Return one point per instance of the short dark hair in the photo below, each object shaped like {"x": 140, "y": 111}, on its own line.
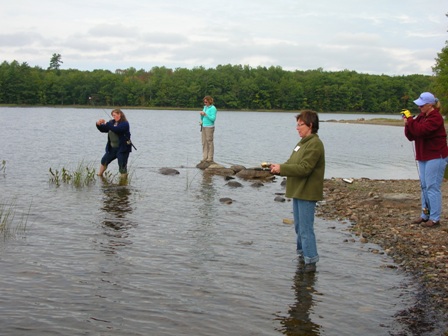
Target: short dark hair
{"x": 310, "y": 118}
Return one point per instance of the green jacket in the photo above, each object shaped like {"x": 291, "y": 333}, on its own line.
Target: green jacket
{"x": 305, "y": 170}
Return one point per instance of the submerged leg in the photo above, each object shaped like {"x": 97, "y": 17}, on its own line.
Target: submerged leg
{"x": 102, "y": 169}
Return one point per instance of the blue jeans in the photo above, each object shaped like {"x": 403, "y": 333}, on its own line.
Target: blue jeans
{"x": 122, "y": 158}
{"x": 431, "y": 178}
{"x": 304, "y": 226}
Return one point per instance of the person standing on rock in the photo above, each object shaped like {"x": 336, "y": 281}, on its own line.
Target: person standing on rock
{"x": 305, "y": 170}
{"x": 208, "y": 117}
{"x": 428, "y": 132}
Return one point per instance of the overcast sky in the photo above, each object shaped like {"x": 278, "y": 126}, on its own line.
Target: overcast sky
{"x": 394, "y": 37}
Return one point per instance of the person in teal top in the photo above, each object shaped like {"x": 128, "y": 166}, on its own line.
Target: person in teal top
{"x": 305, "y": 171}
{"x": 208, "y": 117}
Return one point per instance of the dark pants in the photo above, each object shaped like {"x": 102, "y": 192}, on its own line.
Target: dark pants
{"x": 122, "y": 158}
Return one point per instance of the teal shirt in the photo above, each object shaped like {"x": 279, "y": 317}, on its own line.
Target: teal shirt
{"x": 305, "y": 170}
{"x": 208, "y": 120}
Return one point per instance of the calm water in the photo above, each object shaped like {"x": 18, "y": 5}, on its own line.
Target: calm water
{"x": 162, "y": 255}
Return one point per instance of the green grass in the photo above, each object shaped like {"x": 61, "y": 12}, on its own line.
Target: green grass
{"x": 84, "y": 175}
{"x": 10, "y": 226}
{"x": 3, "y": 167}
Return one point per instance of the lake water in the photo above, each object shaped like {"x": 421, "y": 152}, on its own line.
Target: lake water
{"x": 162, "y": 255}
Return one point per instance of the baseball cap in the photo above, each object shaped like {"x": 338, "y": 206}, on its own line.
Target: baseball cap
{"x": 425, "y": 98}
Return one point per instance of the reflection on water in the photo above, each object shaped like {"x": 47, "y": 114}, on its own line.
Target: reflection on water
{"x": 207, "y": 193}
{"x": 163, "y": 256}
{"x": 299, "y": 322}
{"x": 204, "y": 226}
{"x": 116, "y": 210}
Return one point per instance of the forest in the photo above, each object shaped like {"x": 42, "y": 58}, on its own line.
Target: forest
{"x": 233, "y": 87}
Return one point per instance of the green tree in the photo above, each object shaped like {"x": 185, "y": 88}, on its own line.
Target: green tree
{"x": 233, "y": 87}
{"x": 55, "y": 62}
{"x": 18, "y": 84}
{"x": 441, "y": 80}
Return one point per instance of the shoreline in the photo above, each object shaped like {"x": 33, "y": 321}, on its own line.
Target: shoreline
{"x": 373, "y": 121}
{"x": 381, "y": 211}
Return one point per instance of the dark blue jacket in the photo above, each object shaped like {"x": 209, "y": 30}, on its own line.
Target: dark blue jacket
{"x": 122, "y": 130}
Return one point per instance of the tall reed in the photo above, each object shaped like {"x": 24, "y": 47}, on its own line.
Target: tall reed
{"x": 9, "y": 224}
{"x": 82, "y": 176}
{"x": 3, "y": 167}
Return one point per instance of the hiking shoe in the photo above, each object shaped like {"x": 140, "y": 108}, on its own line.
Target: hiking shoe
{"x": 309, "y": 268}
{"x": 431, "y": 223}
{"x": 419, "y": 220}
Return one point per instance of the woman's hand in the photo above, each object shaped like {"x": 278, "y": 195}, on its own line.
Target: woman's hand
{"x": 100, "y": 122}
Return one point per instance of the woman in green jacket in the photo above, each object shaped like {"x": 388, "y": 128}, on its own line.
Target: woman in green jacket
{"x": 305, "y": 171}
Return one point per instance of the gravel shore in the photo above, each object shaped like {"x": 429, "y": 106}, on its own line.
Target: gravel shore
{"x": 381, "y": 211}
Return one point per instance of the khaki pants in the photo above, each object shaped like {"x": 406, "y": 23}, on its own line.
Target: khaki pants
{"x": 208, "y": 147}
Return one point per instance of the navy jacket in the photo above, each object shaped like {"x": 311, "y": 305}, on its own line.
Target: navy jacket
{"x": 122, "y": 130}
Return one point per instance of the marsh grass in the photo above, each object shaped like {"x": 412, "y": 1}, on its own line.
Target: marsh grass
{"x": 3, "y": 167}
{"x": 83, "y": 175}
{"x": 10, "y": 225}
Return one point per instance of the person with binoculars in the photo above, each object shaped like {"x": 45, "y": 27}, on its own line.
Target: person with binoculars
{"x": 428, "y": 132}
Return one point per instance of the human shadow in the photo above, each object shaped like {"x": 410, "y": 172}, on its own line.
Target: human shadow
{"x": 298, "y": 322}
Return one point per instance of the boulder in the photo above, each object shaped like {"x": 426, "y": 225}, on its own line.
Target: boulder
{"x": 257, "y": 184}
{"x": 217, "y": 169}
{"x": 226, "y": 200}
{"x": 250, "y": 174}
{"x": 168, "y": 171}
{"x": 279, "y": 199}
{"x": 237, "y": 168}
{"x": 203, "y": 165}
{"x": 234, "y": 184}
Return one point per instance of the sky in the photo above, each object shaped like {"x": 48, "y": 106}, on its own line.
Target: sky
{"x": 392, "y": 37}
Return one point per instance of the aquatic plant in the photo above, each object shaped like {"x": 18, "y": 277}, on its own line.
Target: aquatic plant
{"x": 3, "y": 167}
{"x": 84, "y": 175}
{"x": 9, "y": 225}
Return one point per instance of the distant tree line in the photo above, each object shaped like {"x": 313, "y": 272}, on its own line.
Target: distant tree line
{"x": 234, "y": 87}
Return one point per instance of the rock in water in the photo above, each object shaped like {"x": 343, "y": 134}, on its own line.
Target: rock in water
{"x": 168, "y": 171}
{"x": 279, "y": 199}
{"x": 234, "y": 184}
{"x": 226, "y": 200}
{"x": 257, "y": 184}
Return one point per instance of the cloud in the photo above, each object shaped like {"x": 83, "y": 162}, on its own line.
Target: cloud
{"x": 20, "y": 39}
{"x": 370, "y": 36}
